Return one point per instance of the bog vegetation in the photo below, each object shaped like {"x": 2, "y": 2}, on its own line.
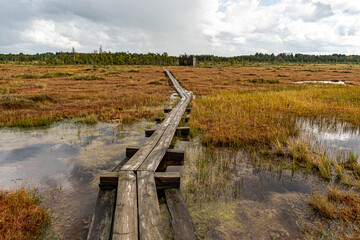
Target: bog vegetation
{"x": 259, "y": 108}
{"x": 32, "y": 96}
{"x": 251, "y": 105}
{"x": 21, "y": 217}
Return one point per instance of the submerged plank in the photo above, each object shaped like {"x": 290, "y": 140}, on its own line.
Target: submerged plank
{"x": 126, "y": 219}
{"x": 100, "y": 227}
{"x": 150, "y": 226}
{"x": 180, "y": 217}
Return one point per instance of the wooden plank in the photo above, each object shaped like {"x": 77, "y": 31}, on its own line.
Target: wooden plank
{"x": 135, "y": 162}
{"x": 126, "y": 218}
{"x": 154, "y": 158}
{"x": 100, "y": 227}
{"x": 167, "y": 180}
{"x": 180, "y": 131}
{"x": 180, "y": 217}
{"x": 150, "y": 226}
{"x": 171, "y": 154}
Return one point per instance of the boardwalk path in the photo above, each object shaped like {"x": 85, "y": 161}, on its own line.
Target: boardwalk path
{"x": 137, "y": 213}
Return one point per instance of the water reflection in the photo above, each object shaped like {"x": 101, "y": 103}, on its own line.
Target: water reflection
{"x": 323, "y": 82}
{"x": 229, "y": 198}
{"x": 64, "y": 163}
{"x": 333, "y": 136}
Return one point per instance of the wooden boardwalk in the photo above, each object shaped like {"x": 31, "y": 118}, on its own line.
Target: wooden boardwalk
{"x": 135, "y": 212}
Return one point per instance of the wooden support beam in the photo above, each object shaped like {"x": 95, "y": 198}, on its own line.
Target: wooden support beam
{"x": 185, "y": 119}
{"x": 180, "y": 131}
{"x": 109, "y": 180}
{"x": 171, "y": 154}
{"x": 167, "y": 110}
{"x": 167, "y": 180}
{"x": 126, "y": 217}
{"x": 164, "y": 180}
{"x": 150, "y": 226}
{"x": 180, "y": 217}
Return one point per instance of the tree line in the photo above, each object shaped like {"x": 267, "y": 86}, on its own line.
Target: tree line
{"x": 125, "y": 58}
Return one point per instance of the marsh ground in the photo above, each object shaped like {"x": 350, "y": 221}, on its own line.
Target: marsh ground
{"x": 33, "y": 95}
{"x": 258, "y": 105}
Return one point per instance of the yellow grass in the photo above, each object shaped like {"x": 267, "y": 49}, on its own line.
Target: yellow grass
{"x": 251, "y": 117}
{"x": 21, "y": 217}
{"x": 32, "y": 95}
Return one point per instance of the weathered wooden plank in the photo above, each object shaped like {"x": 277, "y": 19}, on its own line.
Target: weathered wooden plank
{"x": 126, "y": 218}
{"x": 180, "y": 131}
{"x": 150, "y": 226}
{"x": 100, "y": 227}
{"x": 135, "y": 162}
{"x": 171, "y": 154}
{"x": 154, "y": 158}
{"x": 180, "y": 217}
{"x": 167, "y": 180}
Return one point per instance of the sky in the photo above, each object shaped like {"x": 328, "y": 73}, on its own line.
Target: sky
{"x": 218, "y": 27}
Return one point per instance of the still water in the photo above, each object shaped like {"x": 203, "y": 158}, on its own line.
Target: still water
{"x": 230, "y": 197}
{"x": 227, "y": 195}
{"x": 64, "y": 162}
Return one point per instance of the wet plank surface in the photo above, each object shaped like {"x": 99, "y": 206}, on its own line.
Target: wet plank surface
{"x": 126, "y": 218}
{"x": 180, "y": 217}
{"x": 100, "y": 227}
{"x": 150, "y": 226}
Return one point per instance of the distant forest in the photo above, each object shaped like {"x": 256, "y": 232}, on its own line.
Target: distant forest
{"x": 125, "y": 58}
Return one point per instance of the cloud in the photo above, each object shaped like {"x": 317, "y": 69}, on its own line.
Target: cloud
{"x": 221, "y": 27}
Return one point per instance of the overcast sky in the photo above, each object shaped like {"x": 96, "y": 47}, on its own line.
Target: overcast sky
{"x": 220, "y": 27}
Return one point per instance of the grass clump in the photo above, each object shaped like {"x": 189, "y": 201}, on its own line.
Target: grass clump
{"x": 283, "y": 75}
{"x": 13, "y": 102}
{"x": 33, "y": 121}
{"x": 88, "y": 119}
{"x": 4, "y": 90}
{"x": 21, "y": 216}
{"x": 55, "y": 74}
{"x": 86, "y": 77}
{"x": 337, "y": 204}
{"x": 27, "y": 76}
{"x": 262, "y": 81}
{"x": 154, "y": 83}
{"x": 40, "y": 85}
{"x": 322, "y": 204}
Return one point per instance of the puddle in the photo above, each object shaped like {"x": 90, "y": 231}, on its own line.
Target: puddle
{"x": 335, "y": 137}
{"x": 324, "y": 82}
{"x": 228, "y": 198}
{"x": 64, "y": 162}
